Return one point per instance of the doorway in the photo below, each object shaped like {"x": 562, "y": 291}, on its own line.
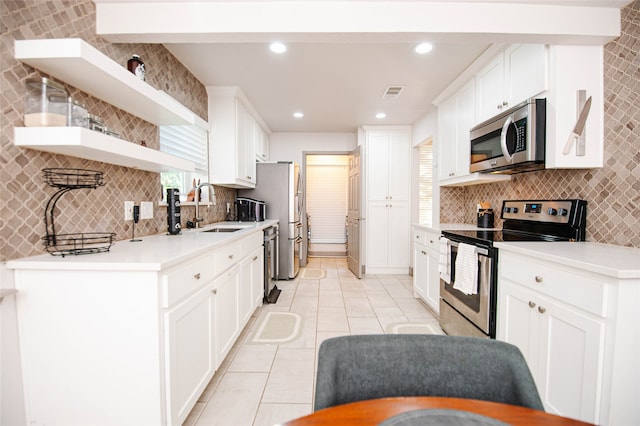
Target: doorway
{"x": 327, "y": 180}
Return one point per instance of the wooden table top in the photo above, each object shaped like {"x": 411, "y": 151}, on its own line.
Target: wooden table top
{"x": 374, "y": 411}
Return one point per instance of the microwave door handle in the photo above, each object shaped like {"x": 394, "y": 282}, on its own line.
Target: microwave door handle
{"x": 503, "y": 139}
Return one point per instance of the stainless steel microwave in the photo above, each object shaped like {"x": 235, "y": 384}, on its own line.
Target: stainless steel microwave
{"x": 512, "y": 142}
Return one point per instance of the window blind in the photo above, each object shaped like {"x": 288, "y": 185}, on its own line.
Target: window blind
{"x": 327, "y": 180}
{"x": 425, "y": 184}
{"x": 187, "y": 142}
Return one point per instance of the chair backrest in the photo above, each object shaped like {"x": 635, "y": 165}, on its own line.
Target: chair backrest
{"x": 355, "y": 368}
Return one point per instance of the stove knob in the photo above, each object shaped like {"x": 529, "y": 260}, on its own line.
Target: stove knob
{"x": 563, "y": 212}
{"x": 552, "y": 211}
{"x": 514, "y": 210}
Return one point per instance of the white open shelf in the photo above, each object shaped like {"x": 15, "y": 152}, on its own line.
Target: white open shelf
{"x": 76, "y": 62}
{"x": 93, "y": 145}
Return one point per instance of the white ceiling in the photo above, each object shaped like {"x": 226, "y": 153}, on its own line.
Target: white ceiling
{"x": 337, "y": 78}
{"x": 337, "y": 86}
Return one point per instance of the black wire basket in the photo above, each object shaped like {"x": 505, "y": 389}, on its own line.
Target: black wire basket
{"x": 73, "y": 178}
{"x": 77, "y": 243}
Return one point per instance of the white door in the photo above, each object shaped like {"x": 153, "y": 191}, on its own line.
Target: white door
{"x": 354, "y": 198}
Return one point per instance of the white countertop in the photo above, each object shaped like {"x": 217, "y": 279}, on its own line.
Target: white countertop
{"x": 605, "y": 259}
{"x": 153, "y": 253}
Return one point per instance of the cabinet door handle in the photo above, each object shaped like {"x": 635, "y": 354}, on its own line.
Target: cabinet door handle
{"x": 197, "y": 276}
{"x": 430, "y": 241}
{"x": 230, "y": 256}
{"x": 541, "y": 309}
{"x": 255, "y": 258}
{"x": 214, "y": 291}
{"x": 538, "y": 279}
{"x": 532, "y": 304}
{"x": 423, "y": 252}
{"x": 391, "y": 197}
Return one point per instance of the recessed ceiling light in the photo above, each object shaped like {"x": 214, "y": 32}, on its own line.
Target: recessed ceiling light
{"x": 278, "y": 47}
{"x": 381, "y": 115}
{"x": 298, "y": 114}
{"x": 424, "y": 48}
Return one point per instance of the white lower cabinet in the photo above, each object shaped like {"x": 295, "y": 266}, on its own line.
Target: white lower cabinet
{"x": 226, "y": 325}
{"x": 387, "y": 248}
{"x": 130, "y": 344}
{"x": 577, "y": 329}
{"x": 426, "y": 277}
{"x": 562, "y": 346}
{"x": 190, "y": 362}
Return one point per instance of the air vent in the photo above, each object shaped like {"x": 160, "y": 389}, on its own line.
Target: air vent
{"x": 392, "y": 92}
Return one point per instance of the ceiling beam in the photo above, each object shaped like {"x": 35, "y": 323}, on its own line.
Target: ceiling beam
{"x": 174, "y": 21}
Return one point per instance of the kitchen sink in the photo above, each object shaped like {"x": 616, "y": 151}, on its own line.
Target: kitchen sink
{"x": 223, "y": 230}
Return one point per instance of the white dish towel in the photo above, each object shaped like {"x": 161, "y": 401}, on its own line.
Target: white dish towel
{"x": 444, "y": 261}
{"x": 466, "y": 269}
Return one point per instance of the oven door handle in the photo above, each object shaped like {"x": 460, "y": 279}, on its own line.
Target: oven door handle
{"x": 479, "y": 250}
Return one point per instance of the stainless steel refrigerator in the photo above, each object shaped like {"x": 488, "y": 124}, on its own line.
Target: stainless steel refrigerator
{"x": 279, "y": 185}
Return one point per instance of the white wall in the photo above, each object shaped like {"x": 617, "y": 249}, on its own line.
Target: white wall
{"x": 425, "y": 128}
{"x": 290, "y": 146}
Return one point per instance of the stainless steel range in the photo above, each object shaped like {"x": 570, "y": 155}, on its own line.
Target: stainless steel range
{"x": 468, "y": 259}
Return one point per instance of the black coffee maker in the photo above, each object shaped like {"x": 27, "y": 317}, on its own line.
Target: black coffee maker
{"x": 250, "y": 210}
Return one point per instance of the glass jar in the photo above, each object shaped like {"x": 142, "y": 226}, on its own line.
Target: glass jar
{"x": 45, "y": 104}
{"x": 76, "y": 113}
{"x": 95, "y": 123}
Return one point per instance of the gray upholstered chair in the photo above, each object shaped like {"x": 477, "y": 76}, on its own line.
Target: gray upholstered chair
{"x": 355, "y": 368}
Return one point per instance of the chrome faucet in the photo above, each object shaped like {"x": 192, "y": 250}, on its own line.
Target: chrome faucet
{"x": 212, "y": 197}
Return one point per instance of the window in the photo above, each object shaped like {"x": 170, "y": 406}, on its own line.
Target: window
{"x": 425, "y": 183}
{"x": 189, "y": 143}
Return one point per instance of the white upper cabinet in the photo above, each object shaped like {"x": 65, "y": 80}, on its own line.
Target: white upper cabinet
{"x": 262, "y": 144}
{"x": 514, "y": 75}
{"x": 576, "y": 73}
{"x": 455, "y": 117}
{"x": 236, "y": 134}
{"x": 388, "y": 161}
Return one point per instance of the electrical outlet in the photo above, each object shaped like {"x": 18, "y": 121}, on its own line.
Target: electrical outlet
{"x": 128, "y": 210}
{"x": 146, "y": 210}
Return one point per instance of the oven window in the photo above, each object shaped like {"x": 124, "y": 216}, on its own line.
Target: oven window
{"x": 470, "y": 300}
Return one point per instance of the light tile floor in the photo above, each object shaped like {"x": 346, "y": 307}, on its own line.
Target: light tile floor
{"x": 267, "y": 384}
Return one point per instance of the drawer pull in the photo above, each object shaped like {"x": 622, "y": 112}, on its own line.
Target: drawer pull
{"x": 430, "y": 241}
{"x": 423, "y": 252}
{"x": 230, "y": 256}
{"x": 214, "y": 291}
{"x": 255, "y": 258}
{"x": 197, "y": 276}
{"x": 538, "y": 279}
{"x": 532, "y": 304}
{"x": 541, "y": 309}
{"x": 418, "y": 237}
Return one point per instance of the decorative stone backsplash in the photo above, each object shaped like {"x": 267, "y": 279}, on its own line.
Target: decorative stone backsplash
{"x": 23, "y": 192}
{"x": 612, "y": 192}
